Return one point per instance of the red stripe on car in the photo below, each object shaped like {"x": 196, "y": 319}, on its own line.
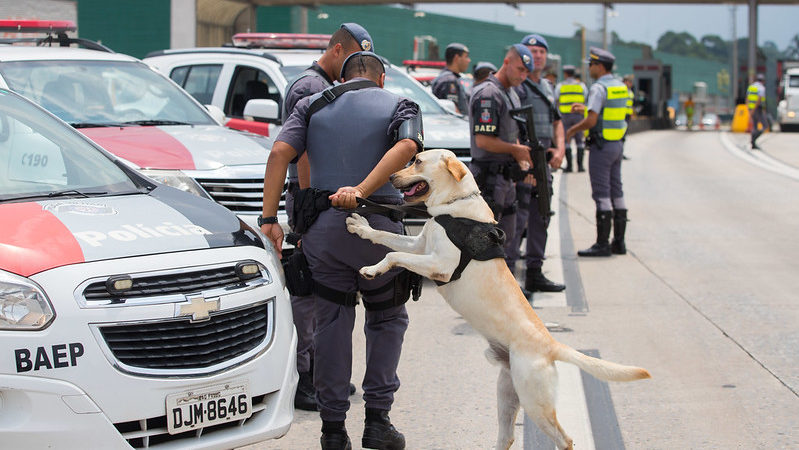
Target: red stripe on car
{"x": 33, "y": 240}
{"x": 147, "y": 147}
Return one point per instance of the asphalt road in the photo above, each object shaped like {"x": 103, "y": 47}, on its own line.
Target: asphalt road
{"x": 705, "y": 299}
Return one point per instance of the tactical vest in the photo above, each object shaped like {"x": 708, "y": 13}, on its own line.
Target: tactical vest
{"x": 611, "y": 125}
{"x": 309, "y": 72}
{"x": 571, "y": 92}
{"x": 542, "y": 109}
{"x": 348, "y": 137}
{"x": 752, "y": 95}
{"x": 508, "y": 129}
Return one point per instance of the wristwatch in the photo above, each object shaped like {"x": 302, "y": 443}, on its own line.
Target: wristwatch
{"x": 265, "y": 220}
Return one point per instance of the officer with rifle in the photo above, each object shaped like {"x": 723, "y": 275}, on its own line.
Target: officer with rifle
{"x": 544, "y": 133}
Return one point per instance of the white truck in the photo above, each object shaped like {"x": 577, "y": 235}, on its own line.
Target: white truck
{"x": 788, "y": 108}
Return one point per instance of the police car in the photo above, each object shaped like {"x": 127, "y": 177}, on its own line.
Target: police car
{"x": 136, "y": 113}
{"x": 248, "y": 80}
{"x": 131, "y": 313}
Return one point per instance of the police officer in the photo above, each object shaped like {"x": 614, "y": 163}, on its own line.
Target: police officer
{"x": 481, "y": 71}
{"x": 567, "y": 93}
{"x": 607, "y": 104}
{"x": 756, "y": 102}
{"x": 538, "y": 92}
{"x": 447, "y": 84}
{"x": 628, "y": 114}
{"x": 348, "y": 39}
{"x": 356, "y": 135}
{"x": 496, "y": 152}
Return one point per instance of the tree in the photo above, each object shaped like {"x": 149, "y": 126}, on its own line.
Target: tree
{"x": 680, "y": 43}
{"x": 792, "y": 51}
{"x": 715, "y": 47}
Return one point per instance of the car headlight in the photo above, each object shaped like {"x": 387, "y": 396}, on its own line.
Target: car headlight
{"x": 23, "y": 304}
{"x": 176, "y": 179}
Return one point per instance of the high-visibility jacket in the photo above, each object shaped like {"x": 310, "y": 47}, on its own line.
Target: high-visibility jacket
{"x": 570, "y": 93}
{"x": 753, "y": 94}
{"x": 611, "y": 125}
{"x": 630, "y": 97}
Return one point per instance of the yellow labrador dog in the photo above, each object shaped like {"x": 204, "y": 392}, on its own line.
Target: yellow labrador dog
{"x": 486, "y": 295}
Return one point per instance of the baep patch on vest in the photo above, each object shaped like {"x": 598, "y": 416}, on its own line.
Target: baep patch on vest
{"x": 480, "y": 241}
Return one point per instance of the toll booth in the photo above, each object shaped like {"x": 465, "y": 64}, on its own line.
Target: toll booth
{"x": 652, "y": 89}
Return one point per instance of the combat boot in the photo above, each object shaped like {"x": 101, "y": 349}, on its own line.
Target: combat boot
{"x": 378, "y": 433}
{"x": 305, "y": 398}
{"x": 580, "y": 156}
{"x": 569, "y": 161}
{"x": 619, "y": 227}
{"x": 535, "y": 281}
{"x": 334, "y": 436}
{"x": 602, "y": 246}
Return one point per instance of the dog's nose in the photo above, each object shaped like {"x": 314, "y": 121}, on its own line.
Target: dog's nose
{"x": 391, "y": 177}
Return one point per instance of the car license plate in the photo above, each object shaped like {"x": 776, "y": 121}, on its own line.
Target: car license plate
{"x": 206, "y": 406}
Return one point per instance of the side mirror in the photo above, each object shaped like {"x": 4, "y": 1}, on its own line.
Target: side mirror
{"x": 261, "y": 110}
{"x": 216, "y": 113}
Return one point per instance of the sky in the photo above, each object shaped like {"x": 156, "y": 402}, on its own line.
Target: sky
{"x": 640, "y": 23}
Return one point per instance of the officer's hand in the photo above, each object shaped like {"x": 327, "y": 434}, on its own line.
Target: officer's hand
{"x": 275, "y": 234}
{"x": 557, "y": 158}
{"x": 530, "y": 179}
{"x": 578, "y": 108}
{"x": 346, "y": 197}
{"x": 521, "y": 153}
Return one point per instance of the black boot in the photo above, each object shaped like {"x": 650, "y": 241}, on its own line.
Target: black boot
{"x": 619, "y": 226}
{"x": 334, "y": 436}
{"x": 601, "y": 247}
{"x": 305, "y": 398}
{"x": 535, "y": 281}
{"x": 569, "y": 161}
{"x": 580, "y": 156}
{"x": 378, "y": 432}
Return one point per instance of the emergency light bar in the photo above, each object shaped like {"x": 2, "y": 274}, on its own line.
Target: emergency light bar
{"x": 424, "y": 63}
{"x": 37, "y": 26}
{"x": 281, "y": 40}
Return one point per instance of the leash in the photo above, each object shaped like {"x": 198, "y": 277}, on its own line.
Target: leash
{"x": 397, "y": 212}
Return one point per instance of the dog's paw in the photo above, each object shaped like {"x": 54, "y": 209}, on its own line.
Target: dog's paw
{"x": 357, "y": 224}
{"x": 369, "y": 272}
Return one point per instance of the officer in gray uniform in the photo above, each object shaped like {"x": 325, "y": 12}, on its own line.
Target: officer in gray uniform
{"x": 447, "y": 84}
{"x": 481, "y": 71}
{"x": 348, "y": 39}
{"x": 350, "y": 162}
{"x": 538, "y": 92}
{"x": 567, "y": 93}
{"x": 607, "y": 105}
{"x": 498, "y": 159}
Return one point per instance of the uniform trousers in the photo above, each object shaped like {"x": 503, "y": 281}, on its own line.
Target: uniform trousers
{"x": 502, "y": 194}
{"x": 528, "y": 218}
{"x": 569, "y": 120}
{"x": 302, "y": 308}
{"x": 758, "y": 118}
{"x": 604, "y": 170}
{"x": 334, "y": 258}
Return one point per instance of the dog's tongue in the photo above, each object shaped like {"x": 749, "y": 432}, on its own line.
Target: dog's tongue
{"x": 413, "y": 189}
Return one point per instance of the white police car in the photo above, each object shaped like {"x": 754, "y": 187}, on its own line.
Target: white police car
{"x": 132, "y": 314}
{"x": 137, "y": 114}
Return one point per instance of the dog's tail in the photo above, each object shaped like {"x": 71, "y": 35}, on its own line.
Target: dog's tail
{"x": 604, "y": 370}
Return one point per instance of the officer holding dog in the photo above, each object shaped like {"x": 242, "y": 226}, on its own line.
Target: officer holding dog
{"x": 356, "y": 135}
{"x": 567, "y": 93}
{"x": 447, "y": 84}
{"x": 537, "y": 92}
{"x": 498, "y": 159}
{"x": 607, "y": 106}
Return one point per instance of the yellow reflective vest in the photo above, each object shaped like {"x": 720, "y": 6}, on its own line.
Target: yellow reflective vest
{"x": 570, "y": 93}
{"x": 752, "y": 95}
{"x": 611, "y": 125}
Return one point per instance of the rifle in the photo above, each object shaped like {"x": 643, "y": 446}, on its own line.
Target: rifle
{"x": 524, "y": 118}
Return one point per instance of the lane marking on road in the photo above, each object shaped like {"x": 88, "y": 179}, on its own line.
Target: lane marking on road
{"x": 574, "y": 293}
{"x": 758, "y": 158}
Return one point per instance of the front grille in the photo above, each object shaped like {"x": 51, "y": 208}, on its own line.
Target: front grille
{"x": 240, "y": 195}
{"x": 150, "y": 432}
{"x": 179, "y": 344}
{"x": 179, "y": 283}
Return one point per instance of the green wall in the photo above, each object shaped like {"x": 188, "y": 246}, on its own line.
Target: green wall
{"x": 131, "y": 27}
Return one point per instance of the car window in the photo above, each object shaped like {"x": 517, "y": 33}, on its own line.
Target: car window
{"x": 793, "y": 81}
{"x": 198, "y": 80}
{"x": 250, "y": 83}
{"x": 40, "y": 155}
{"x": 102, "y": 92}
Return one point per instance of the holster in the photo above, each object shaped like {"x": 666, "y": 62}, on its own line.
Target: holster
{"x": 308, "y": 204}
{"x": 298, "y": 274}
{"x": 403, "y": 285}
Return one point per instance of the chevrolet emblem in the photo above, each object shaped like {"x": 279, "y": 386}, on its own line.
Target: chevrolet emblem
{"x": 198, "y": 308}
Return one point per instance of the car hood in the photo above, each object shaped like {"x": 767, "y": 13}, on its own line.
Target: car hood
{"x": 182, "y": 147}
{"x": 36, "y": 236}
{"x": 445, "y": 131}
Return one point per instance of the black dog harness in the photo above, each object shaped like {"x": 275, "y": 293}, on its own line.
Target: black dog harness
{"x": 476, "y": 240}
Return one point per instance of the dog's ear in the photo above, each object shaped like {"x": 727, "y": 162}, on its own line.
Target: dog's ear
{"x": 456, "y": 168}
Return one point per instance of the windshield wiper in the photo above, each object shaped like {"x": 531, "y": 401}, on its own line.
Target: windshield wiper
{"x": 63, "y": 193}
{"x": 155, "y": 122}
{"x": 98, "y": 124}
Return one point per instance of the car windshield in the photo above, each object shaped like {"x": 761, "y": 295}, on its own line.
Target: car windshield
{"x": 103, "y": 93}
{"x": 42, "y": 157}
{"x": 398, "y": 83}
